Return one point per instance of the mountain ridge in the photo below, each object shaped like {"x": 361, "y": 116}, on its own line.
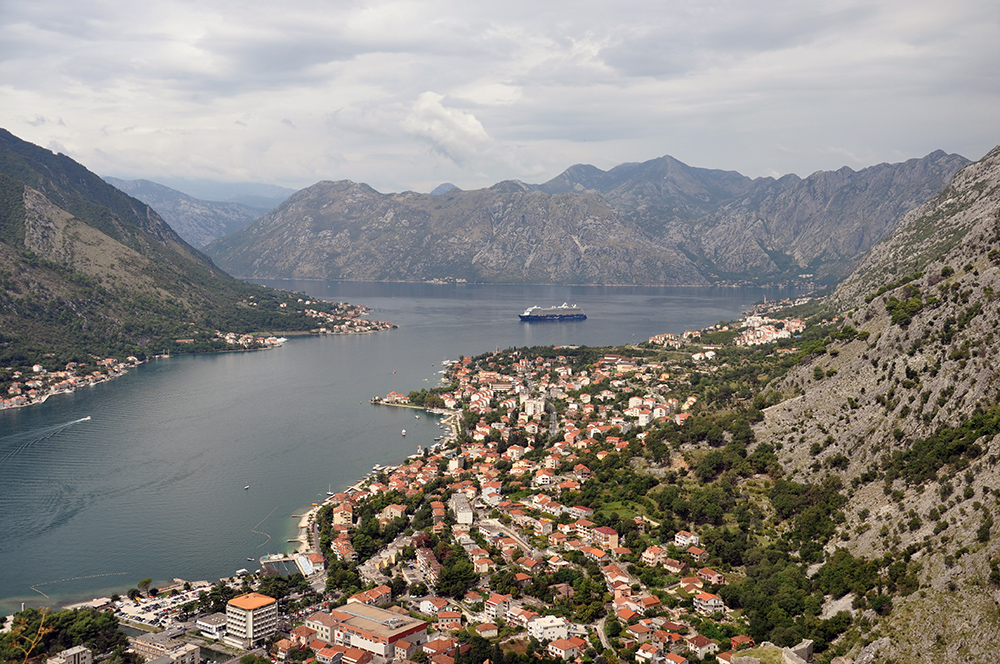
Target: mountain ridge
{"x": 197, "y": 221}
{"x": 85, "y": 269}
{"x": 681, "y": 226}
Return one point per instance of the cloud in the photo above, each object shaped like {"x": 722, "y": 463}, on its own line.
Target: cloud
{"x": 455, "y": 134}
{"x": 493, "y": 91}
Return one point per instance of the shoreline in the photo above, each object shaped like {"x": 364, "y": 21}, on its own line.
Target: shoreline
{"x": 304, "y": 540}
{"x": 118, "y": 374}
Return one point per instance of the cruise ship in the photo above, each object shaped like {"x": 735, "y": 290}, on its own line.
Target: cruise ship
{"x": 562, "y": 312}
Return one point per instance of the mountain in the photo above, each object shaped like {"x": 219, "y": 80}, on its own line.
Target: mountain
{"x": 900, "y": 403}
{"x": 251, "y": 194}
{"x": 197, "y": 221}
{"x": 507, "y": 233}
{"x": 443, "y": 188}
{"x": 85, "y": 268}
{"x": 675, "y": 224}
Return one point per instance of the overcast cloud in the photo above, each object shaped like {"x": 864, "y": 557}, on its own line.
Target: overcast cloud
{"x": 407, "y": 95}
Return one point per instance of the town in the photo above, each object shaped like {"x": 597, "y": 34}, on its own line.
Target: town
{"x": 546, "y": 523}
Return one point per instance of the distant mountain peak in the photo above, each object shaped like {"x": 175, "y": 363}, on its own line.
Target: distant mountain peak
{"x": 443, "y": 189}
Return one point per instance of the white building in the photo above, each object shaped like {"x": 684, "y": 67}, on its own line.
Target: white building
{"x": 460, "y": 506}
{"x": 213, "y": 626}
{"x": 74, "y": 655}
{"x": 250, "y": 619}
{"x": 549, "y": 628}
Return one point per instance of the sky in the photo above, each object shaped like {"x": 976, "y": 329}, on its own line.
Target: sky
{"x": 406, "y": 95}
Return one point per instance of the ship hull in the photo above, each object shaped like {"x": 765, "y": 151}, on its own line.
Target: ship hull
{"x": 539, "y": 318}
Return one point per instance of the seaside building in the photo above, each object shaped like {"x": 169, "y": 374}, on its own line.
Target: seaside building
{"x": 250, "y": 619}
{"x": 369, "y": 628}
{"x": 213, "y": 626}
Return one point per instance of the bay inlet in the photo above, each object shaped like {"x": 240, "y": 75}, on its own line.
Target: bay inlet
{"x": 152, "y": 484}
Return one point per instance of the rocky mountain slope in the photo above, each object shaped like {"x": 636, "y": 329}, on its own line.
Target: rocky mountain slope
{"x": 658, "y": 222}
{"x": 507, "y": 233}
{"x": 85, "y": 268}
{"x": 901, "y": 403}
{"x": 197, "y": 221}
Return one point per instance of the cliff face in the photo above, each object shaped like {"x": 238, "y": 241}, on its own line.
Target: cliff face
{"x": 906, "y": 412}
{"x": 659, "y": 222}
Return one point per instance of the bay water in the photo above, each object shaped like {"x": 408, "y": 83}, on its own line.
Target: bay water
{"x": 144, "y": 476}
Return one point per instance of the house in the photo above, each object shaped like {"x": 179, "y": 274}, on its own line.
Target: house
{"x": 648, "y": 652}
{"x": 652, "y": 556}
{"x": 675, "y": 566}
{"x": 283, "y": 647}
{"x": 214, "y": 626}
{"x": 331, "y": 654}
{"x": 379, "y": 596}
{"x": 711, "y": 576}
{"x": 301, "y": 635}
{"x": 567, "y": 648}
{"x": 641, "y": 633}
{"x": 605, "y": 537}
{"x": 487, "y": 630}
{"x": 702, "y": 646}
{"x": 549, "y": 628}
{"x": 701, "y": 555}
{"x": 741, "y": 641}
{"x": 497, "y": 606}
{"x": 405, "y": 649}
{"x": 683, "y": 539}
{"x": 707, "y": 603}
{"x": 448, "y": 620}
{"x": 648, "y": 603}
{"x": 673, "y": 658}
{"x": 433, "y": 605}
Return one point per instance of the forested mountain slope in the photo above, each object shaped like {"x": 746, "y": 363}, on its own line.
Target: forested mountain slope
{"x": 85, "y": 269}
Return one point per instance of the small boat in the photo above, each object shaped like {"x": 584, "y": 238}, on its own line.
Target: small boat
{"x": 417, "y": 416}
{"x": 246, "y": 487}
{"x": 249, "y": 558}
{"x": 404, "y": 432}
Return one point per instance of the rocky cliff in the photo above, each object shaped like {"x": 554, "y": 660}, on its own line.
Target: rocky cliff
{"x": 901, "y": 403}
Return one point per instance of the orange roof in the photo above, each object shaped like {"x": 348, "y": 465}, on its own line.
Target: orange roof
{"x": 251, "y": 601}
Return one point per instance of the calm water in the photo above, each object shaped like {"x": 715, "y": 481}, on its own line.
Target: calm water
{"x": 152, "y": 484}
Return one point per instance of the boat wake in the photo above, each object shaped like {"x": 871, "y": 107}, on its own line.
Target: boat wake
{"x": 12, "y": 445}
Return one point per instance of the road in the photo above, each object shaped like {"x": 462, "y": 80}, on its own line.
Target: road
{"x": 601, "y": 634}
{"x": 493, "y": 524}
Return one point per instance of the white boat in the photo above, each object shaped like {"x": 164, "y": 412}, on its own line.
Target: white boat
{"x": 404, "y": 432}
{"x": 246, "y": 487}
{"x": 417, "y": 416}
